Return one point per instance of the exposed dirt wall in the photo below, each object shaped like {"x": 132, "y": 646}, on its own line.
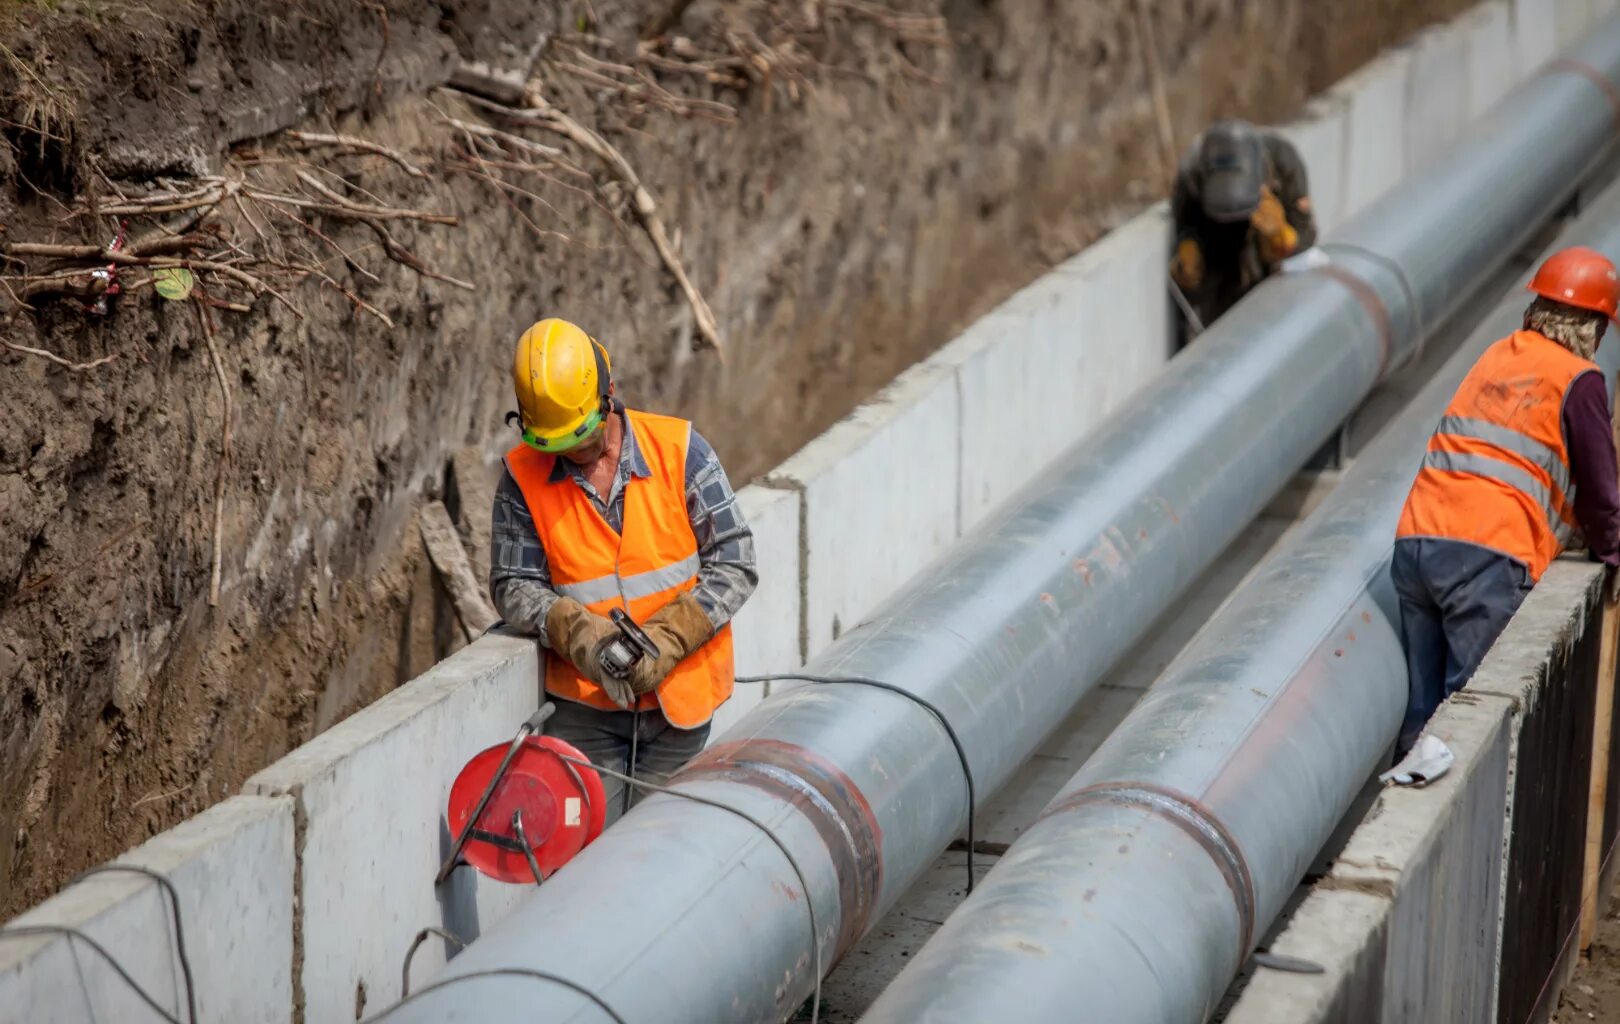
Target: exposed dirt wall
{"x": 868, "y": 201}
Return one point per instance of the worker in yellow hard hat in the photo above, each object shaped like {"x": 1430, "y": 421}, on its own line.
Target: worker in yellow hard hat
{"x": 604, "y": 508}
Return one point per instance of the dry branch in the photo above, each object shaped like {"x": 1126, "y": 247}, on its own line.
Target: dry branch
{"x": 369, "y": 210}
{"x": 58, "y": 360}
{"x": 642, "y": 202}
{"x": 224, "y": 452}
{"x": 351, "y": 142}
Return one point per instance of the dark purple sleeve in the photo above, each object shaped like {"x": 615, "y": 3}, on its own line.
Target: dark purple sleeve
{"x": 1589, "y": 435}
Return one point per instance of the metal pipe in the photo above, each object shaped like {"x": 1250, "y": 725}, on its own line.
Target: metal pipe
{"x": 1148, "y": 879}
{"x": 683, "y": 912}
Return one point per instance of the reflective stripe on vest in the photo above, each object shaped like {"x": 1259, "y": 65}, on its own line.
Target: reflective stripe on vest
{"x": 1550, "y": 461}
{"x": 642, "y": 584}
{"x": 641, "y": 568}
{"x": 1504, "y": 472}
{"x": 1497, "y": 472}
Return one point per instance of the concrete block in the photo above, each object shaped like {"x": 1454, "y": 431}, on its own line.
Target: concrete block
{"x": 1535, "y": 34}
{"x": 371, "y": 795}
{"x": 880, "y": 492}
{"x": 232, "y": 868}
{"x": 1074, "y": 344}
{"x": 1344, "y": 931}
{"x": 1375, "y": 129}
{"x": 1438, "y": 851}
{"x": 765, "y": 633}
{"x": 1320, "y": 138}
{"x": 1437, "y": 99}
{"x": 1492, "y": 70}
{"x": 1574, "y": 17}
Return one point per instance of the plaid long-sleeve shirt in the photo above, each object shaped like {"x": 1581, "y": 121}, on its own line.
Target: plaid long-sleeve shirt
{"x": 520, "y": 576}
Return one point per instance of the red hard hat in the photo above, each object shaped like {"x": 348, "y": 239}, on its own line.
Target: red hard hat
{"x": 1579, "y": 277}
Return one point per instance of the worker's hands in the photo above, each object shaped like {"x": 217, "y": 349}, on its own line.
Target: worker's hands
{"x": 578, "y": 634}
{"x": 1277, "y": 237}
{"x": 1187, "y": 268}
{"x": 678, "y": 629}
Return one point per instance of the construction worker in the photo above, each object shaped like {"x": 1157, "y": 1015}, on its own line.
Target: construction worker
{"x": 600, "y": 508}
{"x": 1523, "y": 457}
{"x": 1241, "y": 205}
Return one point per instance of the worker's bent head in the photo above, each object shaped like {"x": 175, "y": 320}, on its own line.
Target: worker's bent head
{"x": 1577, "y": 294}
{"x": 1234, "y": 167}
{"x": 563, "y": 381}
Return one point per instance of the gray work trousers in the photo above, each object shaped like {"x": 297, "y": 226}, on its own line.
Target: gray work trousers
{"x": 604, "y": 737}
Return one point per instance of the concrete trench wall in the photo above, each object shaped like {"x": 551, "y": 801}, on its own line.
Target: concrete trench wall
{"x": 1461, "y": 901}
{"x": 839, "y": 526}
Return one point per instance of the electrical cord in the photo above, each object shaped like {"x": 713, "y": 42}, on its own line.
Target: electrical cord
{"x": 925, "y": 704}
{"x": 174, "y": 909}
{"x": 410, "y": 954}
{"x": 630, "y": 782}
{"x": 804, "y": 884}
{"x": 494, "y": 972}
{"x": 25, "y": 930}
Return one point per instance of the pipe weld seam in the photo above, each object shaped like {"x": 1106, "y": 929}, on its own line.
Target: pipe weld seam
{"x": 828, "y": 799}
{"x": 1191, "y": 817}
{"x": 1370, "y": 300}
{"x": 1419, "y": 321}
{"x": 1611, "y": 92}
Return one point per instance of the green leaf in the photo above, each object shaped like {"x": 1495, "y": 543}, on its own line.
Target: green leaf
{"x": 173, "y": 283}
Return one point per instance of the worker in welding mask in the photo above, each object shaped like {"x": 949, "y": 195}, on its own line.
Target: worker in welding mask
{"x": 605, "y": 508}
{"x": 1240, "y": 205}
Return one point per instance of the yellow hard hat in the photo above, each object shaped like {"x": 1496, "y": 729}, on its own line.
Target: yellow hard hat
{"x": 562, "y": 378}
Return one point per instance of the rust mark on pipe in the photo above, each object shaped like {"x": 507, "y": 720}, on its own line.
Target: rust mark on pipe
{"x": 1368, "y": 297}
{"x": 1192, "y": 818}
{"x": 1611, "y": 92}
{"x": 828, "y": 798}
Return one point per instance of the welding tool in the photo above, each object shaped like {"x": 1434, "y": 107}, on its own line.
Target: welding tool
{"x": 621, "y": 654}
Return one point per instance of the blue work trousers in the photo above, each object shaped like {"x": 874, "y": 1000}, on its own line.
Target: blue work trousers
{"x": 1456, "y": 598}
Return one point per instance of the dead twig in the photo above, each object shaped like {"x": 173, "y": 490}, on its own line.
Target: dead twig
{"x": 224, "y": 451}
{"x": 58, "y": 360}
{"x": 368, "y": 210}
{"x": 312, "y": 139}
{"x": 642, "y": 202}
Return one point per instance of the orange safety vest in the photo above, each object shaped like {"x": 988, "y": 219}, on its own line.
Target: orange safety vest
{"x": 1497, "y": 470}
{"x": 640, "y": 570}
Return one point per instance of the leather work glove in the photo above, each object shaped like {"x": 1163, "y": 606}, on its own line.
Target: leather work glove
{"x": 1187, "y": 268}
{"x": 1277, "y": 237}
{"x": 578, "y": 634}
{"x": 678, "y": 628}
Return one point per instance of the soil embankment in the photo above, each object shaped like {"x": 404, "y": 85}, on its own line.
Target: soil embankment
{"x": 845, "y": 182}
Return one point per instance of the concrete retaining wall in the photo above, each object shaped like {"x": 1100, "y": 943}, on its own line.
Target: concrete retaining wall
{"x": 370, "y": 794}
{"x": 232, "y": 868}
{"x": 1442, "y": 886}
{"x": 839, "y": 527}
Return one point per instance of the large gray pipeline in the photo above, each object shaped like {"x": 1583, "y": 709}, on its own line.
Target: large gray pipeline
{"x": 682, "y": 912}
{"x": 1149, "y": 877}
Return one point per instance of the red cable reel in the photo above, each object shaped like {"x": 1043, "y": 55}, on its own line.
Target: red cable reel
{"x": 534, "y": 811}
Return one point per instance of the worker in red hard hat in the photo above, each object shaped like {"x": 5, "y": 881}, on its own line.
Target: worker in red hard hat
{"x": 1521, "y": 465}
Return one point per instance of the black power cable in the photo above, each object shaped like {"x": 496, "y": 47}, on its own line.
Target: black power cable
{"x": 174, "y": 909}
{"x": 922, "y": 702}
{"x": 495, "y": 972}
{"x": 27, "y": 930}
